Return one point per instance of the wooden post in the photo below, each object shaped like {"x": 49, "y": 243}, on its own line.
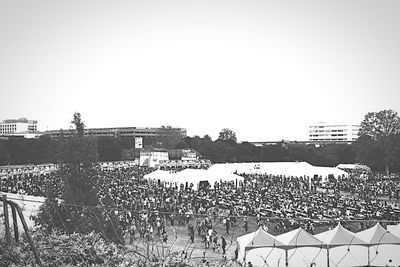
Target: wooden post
{"x": 28, "y": 236}
{"x": 15, "y": 223}
{"x": 6, "y": 219}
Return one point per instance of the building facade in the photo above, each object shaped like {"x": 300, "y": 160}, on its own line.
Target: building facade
{"x": 129, "y": 132}
{"x": 18, "y": 127}
{"x": 323, "y": 132}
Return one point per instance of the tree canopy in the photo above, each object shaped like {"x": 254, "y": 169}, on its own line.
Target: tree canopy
{"x": 379, "y": 124}
{"x": 79, "y": 180}
{"x": 227, "y": 135}
{"x": 378, "y": 144}
{"x": 78, "y": 123}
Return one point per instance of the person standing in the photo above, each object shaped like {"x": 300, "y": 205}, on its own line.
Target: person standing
{"x": 191, "y": 232}
{"x": 227, "y": 225}
{"x": 207, "y": 242}
{"x": 223, "y": 245}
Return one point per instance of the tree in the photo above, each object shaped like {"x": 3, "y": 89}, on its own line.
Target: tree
{"x": 109, "y": 149}
{"x": 4, "y": 156}
{"x": 380, "y": 124}
{"x": 79, "y": 179}
{"x": 379, "y": 133}
{"x": 78, "y": 123}
{"x": 227, "y": 135}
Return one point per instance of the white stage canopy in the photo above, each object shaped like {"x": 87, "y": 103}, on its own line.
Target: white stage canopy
{"x": 279, "y": 168}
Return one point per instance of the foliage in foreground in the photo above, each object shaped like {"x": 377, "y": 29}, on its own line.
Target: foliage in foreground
{"x": 60, "y": 250}
{"x": 65, "y": 250}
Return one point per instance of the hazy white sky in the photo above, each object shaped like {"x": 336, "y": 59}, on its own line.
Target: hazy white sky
{"x": 265, "y": 69}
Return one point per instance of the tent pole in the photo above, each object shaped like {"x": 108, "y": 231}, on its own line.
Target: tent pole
{"x": 327, "y": 255}
{"x": 369, "y": 258}
{"x": 286, "y": 257}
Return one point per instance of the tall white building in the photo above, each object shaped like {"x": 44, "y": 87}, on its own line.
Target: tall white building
{"x": 19, "y": 127}
{"x": 333, "y": 132}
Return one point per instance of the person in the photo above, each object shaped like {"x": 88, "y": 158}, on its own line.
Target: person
{"x": 207, "y": 243}
{"x": 215, "y": 243}
{"x": 191, "y": 232}
{"x": 227, "y": 225}
{"x": 223, "y": 245}
{"x": 237, "y": 252}
{"x": 246, "y": 224}
{"x": 249, "y": 264}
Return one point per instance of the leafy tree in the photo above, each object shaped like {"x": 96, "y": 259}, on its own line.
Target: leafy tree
{"x": 227, "y": 135}
{"x": 78, "y": 175}
{"x": 380, "y": 124}
{"x": 109, "y": 149}
{"x": 78, "y": 123}
{"x": 4, "y": 156}
{"x": 376, "y": 145}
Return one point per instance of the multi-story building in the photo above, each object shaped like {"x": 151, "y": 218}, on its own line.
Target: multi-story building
{"x": 18, "y": 127}
{"x": 130, "y": 132}
{"x": 324, "y": 132}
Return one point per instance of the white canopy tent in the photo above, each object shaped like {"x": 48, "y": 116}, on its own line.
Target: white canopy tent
{"x": 303, "y": 249}
{"x": 261, "y": 249}
{"x": 294, "y": 169}
{"x": 384, "y": 247}
{"x": 344, "y": 248}
{"x": 192, "y": 177}
{"x": 394, "y": 229}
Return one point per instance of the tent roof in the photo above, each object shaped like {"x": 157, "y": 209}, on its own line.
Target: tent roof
{"x": 339, "y": 236}
{"x": 278, "y": 168}
{"x": 394, "y": 229}
{"x": 378, "y": 235}
{"x": 299, "y": 238}
{"x": 259, "y": 238}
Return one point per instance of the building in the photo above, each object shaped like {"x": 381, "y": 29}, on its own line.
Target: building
{"x": 152, "y": 158}
{"x": 126, "y": 132}
{"x": 19, "y": 127}
{"x": 286, "y": 143}
{"x": 324, "y": 132}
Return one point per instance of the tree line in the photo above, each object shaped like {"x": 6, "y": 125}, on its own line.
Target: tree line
{"x": 47, "y": 150}
{"x": 378, "y": 146}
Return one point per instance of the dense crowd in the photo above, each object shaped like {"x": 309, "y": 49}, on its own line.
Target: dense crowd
{"x": 149, "y": 206}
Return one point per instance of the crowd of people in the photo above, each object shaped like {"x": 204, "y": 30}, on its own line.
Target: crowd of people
{"x": 275, "y": 202}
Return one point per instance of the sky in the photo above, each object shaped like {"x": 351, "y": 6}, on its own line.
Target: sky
{"x": 265, "y": 69}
